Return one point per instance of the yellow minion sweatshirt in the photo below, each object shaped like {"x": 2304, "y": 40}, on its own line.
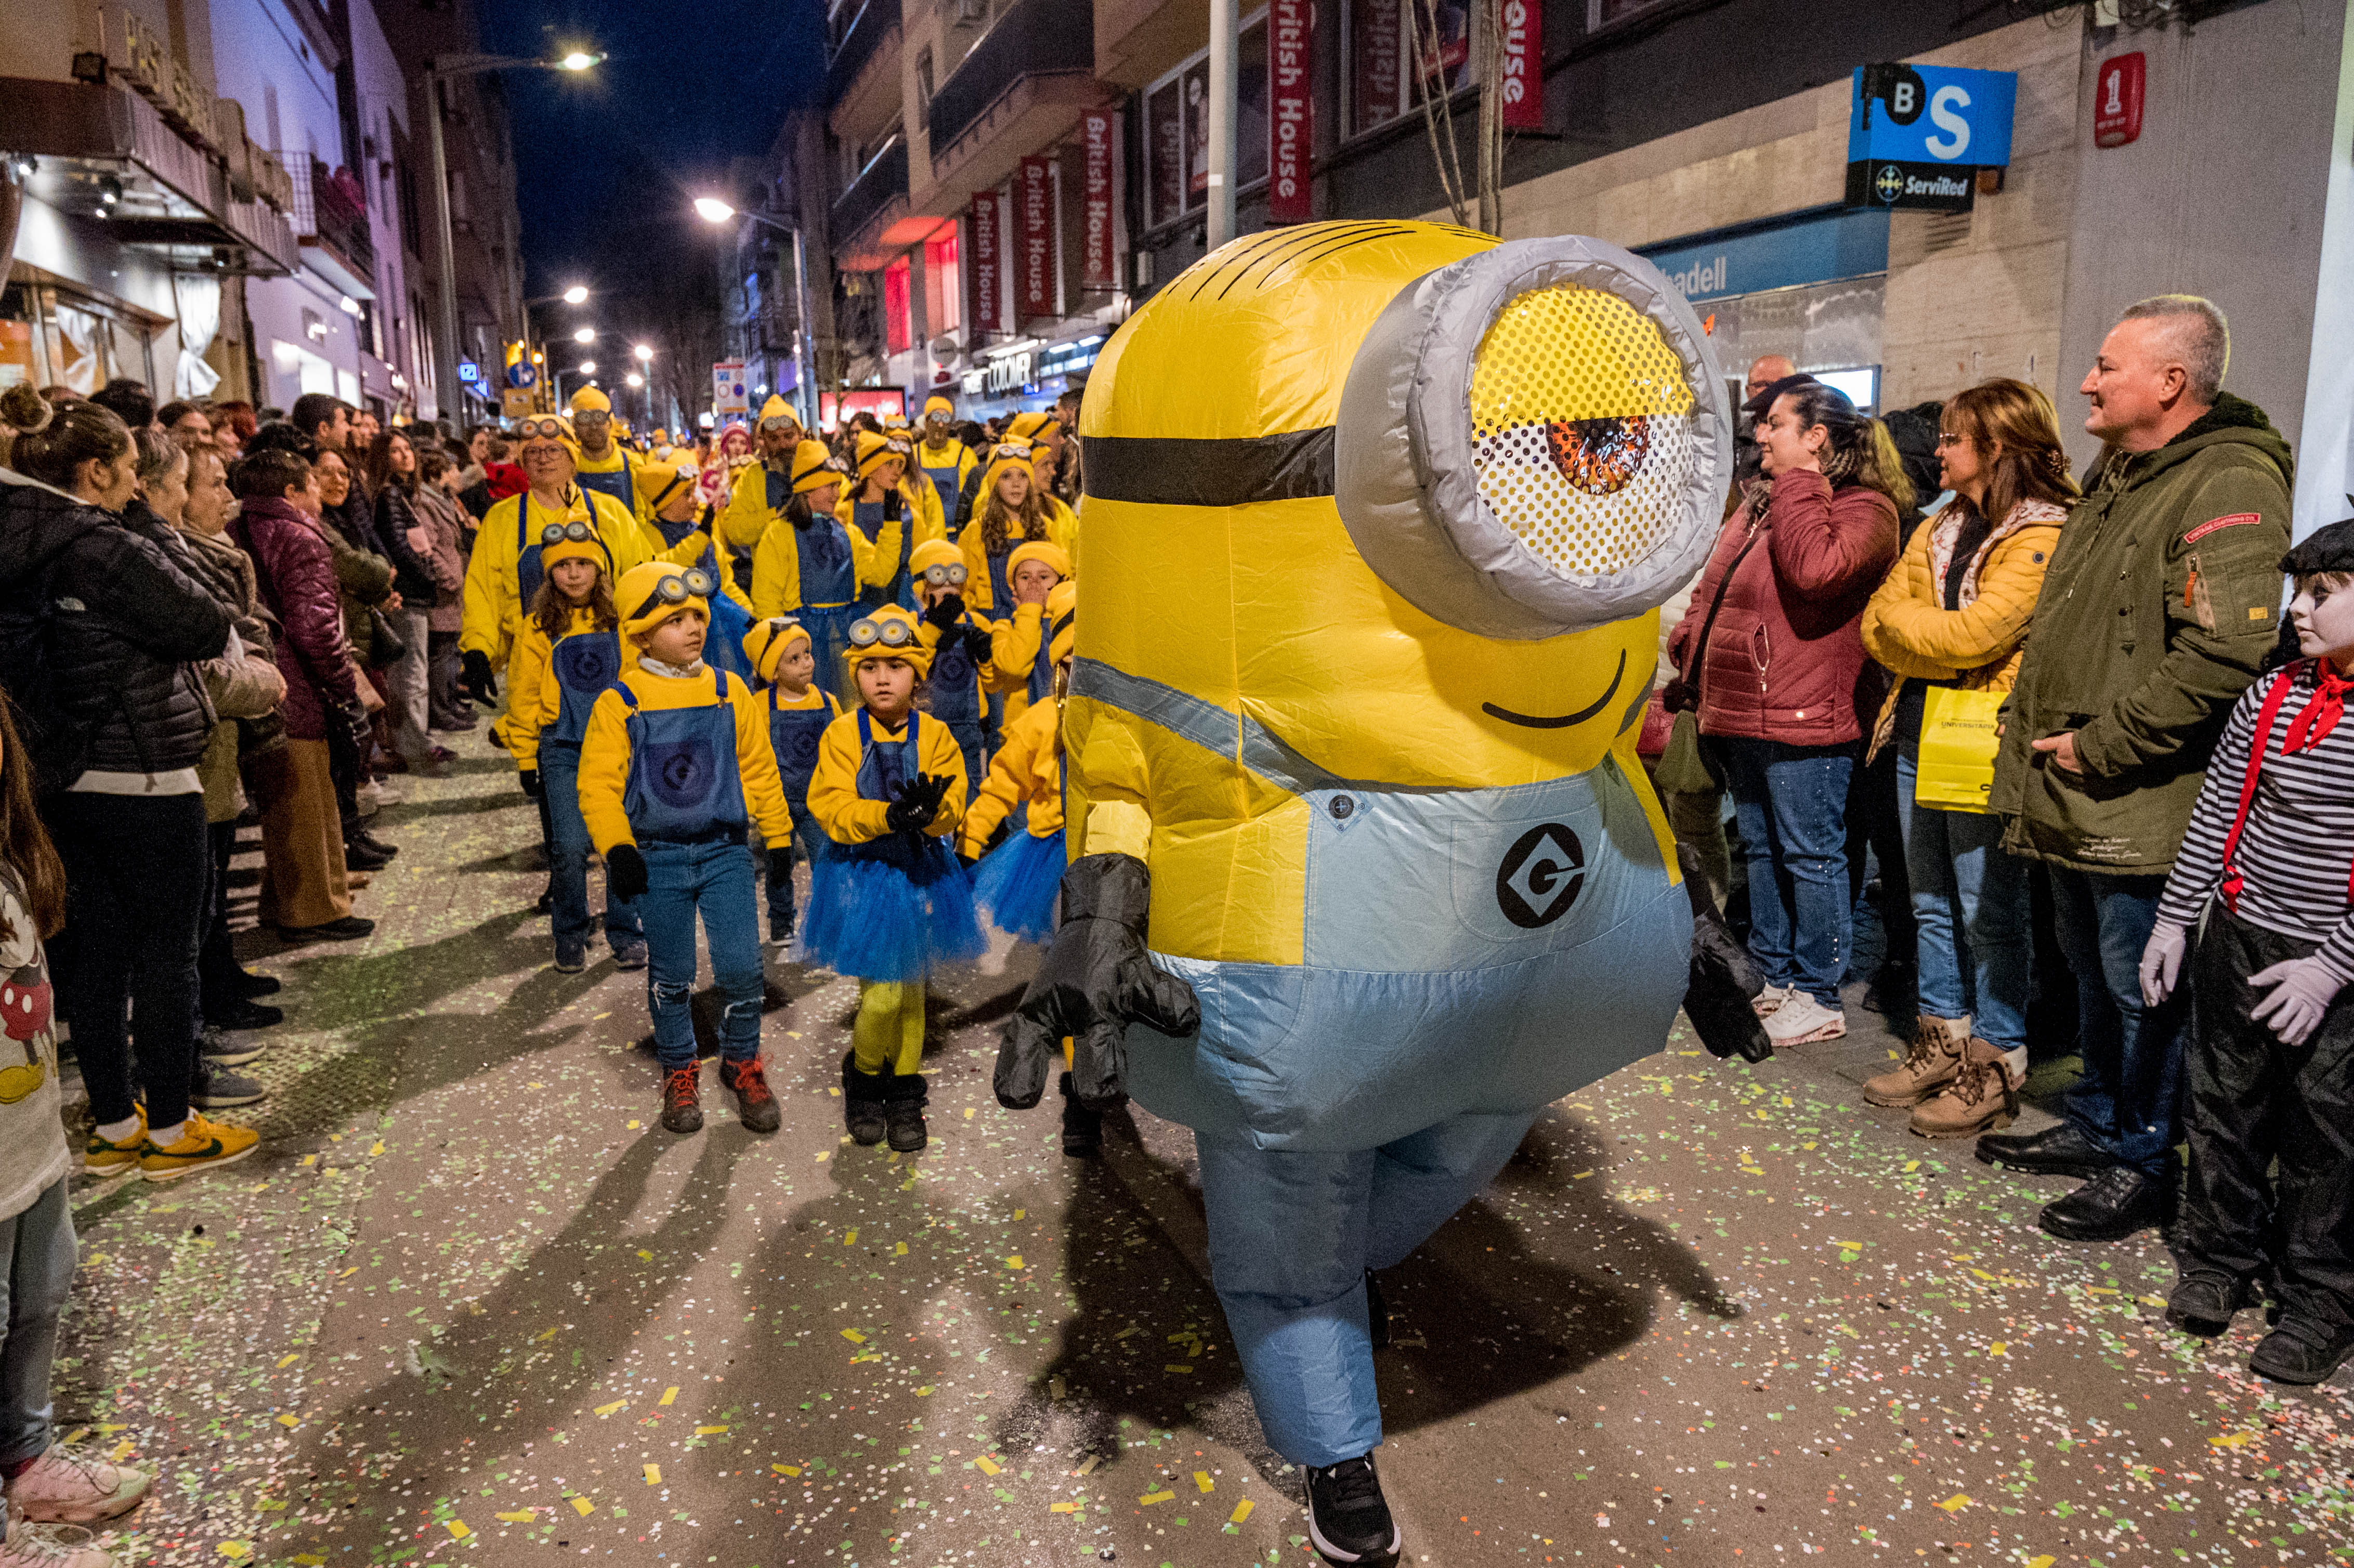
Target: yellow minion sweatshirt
{"x": 534, "y": 700}
{"x": 1028, "y": 766}
{"x": 833, "y": 797}
{"x": 605, "y": 754}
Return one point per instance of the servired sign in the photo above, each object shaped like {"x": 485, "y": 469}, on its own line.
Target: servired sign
{"x": 988, "y": 257}
{"x": 1033, "y": 201}
{"x": 1523, "y": 86}
{"x": 1291, "y": 106}
{"x": 1097, "y": 271}
{"x": 2117, "y": 89}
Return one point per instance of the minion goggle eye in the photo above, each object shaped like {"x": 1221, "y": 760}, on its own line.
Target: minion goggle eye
{"x": 780, "y": 422}
{"x": 535, "y": 429}
{"x": 941, "y": 577}
{"x": 1013, "y": 452}
{"x": 882, "y": 633}
{"x": 677, "y": 589}
{"x": 556, "y": 533}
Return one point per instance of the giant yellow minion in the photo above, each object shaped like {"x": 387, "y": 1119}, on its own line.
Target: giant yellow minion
{"x": 1369, "y": 620}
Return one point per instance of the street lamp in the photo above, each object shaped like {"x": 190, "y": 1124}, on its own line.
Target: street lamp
{"x": 711, "y": 209}
{"x": 633, "y": 380}
{"x": 585, "y": 335}
{"x": 644, "y": 353}
{"x": 576, "y": 295}
{"x": 437, "y": 71}
{"x": 586, "y": 367}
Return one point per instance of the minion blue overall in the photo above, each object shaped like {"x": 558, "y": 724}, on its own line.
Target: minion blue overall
{"x": 808, "y": 563}
{"x": 731, "y": 607}
{"x": 675, "y": 766}
{"x": 1366, "y": 872}
{"x": 797, "y": 722}
{"x": 944, "y": 460}
{"x": 960, "y": 642}
{"x": 556, "y": 683}
{"x": 908, "y": 501}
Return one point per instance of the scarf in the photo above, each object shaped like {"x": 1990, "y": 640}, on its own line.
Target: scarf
{"x": 2321, "y": 712}
{"x": 655, "y": 666}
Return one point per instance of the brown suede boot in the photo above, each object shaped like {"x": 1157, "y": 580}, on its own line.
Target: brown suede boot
{"x": 1982, "y": 1099}
{"x": 1935, "y": 1061}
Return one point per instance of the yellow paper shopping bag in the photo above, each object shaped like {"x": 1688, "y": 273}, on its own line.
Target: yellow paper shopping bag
{"x": 1958, "y": 746}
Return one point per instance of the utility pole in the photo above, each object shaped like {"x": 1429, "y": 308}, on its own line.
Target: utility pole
{"x": 1222, "y": 122}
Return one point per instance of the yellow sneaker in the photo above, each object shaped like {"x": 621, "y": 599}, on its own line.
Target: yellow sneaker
{"x": 204, "y": 1144}
{"x": 101, "y": 1156}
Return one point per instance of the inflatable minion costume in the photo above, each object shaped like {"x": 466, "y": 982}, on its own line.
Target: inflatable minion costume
{"x": 1376, "y": 813}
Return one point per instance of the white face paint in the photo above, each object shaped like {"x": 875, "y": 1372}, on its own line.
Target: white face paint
{"x": 2322, "y": 613}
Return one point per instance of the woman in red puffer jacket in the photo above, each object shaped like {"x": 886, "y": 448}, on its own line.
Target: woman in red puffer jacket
{"x": 1772, "y": 653}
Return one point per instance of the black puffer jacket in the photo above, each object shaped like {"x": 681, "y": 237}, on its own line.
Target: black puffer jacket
{"x": 126, "y": 623}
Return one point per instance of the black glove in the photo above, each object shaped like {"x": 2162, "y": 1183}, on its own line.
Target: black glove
{"x": 1095, "y": 980}
{"x": 1723, "y": 980}
{"x": 945, "y": 613}
{"x": 917, "y": 804}
{"x": 625, "y": 872}
{"x": 529, "y": 779}
{"x": 474, "y": 674}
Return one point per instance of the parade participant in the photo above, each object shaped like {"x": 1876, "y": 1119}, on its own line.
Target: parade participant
{"x": 690, "y": 545}
{"x": 799, "y": 712}
{"x": 946, "y": 462}
{"x": 881, "y": 493}
{"x": 1061, "y": 522}
{"x": 715, "y": 481}
{"x": 809, "y": 564}
{"x": 675, "y": 766}
{"x": 1013, "y": 514}
{"x": 888, "y": 900}
{"x": 504, "y": 574}
{"x": 963, "y": 643}
{"x": 1021, "y": 663}
{"x": 567, "y": 653}
{"x": 606, "y": 464}
{"x": 1021, "y": 430}
{"x": 1371, "y": 725}
{"x": 1016, "y": 883}
{"x": 751, "y": 505}
{"x": 2264, "y": 861}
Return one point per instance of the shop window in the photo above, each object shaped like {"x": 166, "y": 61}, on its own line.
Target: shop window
{"x": 1177, "y": 128}
{"x": 943, "y": 284}
{"x": 898, "y": 312}
{"x": 52, "y": 336}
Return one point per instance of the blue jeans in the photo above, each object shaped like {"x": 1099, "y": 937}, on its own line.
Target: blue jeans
{"x": 808, "y": 842}
{"x": 568, "y": 859}
{"x": 2128, "y": 1098}
{"x": 714, "y": 877}
{"x": 39, "y": 1247}
{"x": 1969, "y": 904}
{"x": 1291, "y": 1235}
{"x": 1790, "y": 803}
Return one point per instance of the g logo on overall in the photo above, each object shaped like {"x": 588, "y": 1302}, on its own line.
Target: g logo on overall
{"x": 586, "y": 664}
{"x": 681, "y": 773}
{"x": 1541, "y": 876}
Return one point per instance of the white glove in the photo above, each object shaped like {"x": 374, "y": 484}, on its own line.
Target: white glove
{"x": 2161, "y": 961}
{"x": 2302, "y": 990}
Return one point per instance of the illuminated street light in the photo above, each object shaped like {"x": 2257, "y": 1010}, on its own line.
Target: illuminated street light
{"x": 644, "y": 352}
{"x": 578, "y": 60}
{"x": 586, "y": 335}
{"x": 634, "y": 380}
{"x": 586, "y": 368}
{"x": 711, "y": 209}
{"x": 575, "y": 295}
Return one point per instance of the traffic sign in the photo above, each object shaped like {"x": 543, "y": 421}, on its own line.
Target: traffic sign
{"x": 522, "y": 374}
{"x": 470, "y": 373}
{"x": 729, "y": 392}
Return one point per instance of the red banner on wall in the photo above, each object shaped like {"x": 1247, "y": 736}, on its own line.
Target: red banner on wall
{"x": 1523, "y": 27}
{"x": 1377, "y": 49}
{"x": 1291, "y": 106}
{"x": 1097, "y": 272}
{"x": 1033, "y": 201}
{"x": 987, "y": 252}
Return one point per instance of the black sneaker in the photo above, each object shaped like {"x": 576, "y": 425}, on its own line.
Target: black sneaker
{"x": 2061, "y": 1150}
{"x": 2204, "y": 1304}
{"x": 2110, "y": 1207}
{"x": 1082, "y": 1128}
{"x": 629, "y": 955}
{"x": 862, "y": 1103}
{"x": 374, "y": 844}
{"x": 350, "y": 928}
{"x": 357, "y": 857}
{"x": 219, "y": 1049}
{"x": 243, "y": 1014}
{"x": 2302, "y": 1353}
{"x": 1347, "y": 1519}
{"x": 217, "y": 1088}
{"x": 250, "y": 985}
{"x": 570, "y": 960}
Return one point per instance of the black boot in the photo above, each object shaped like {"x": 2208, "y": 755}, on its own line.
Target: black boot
{"x": 863, "y": 1095}
{"x": 1082, "y": 1128}
{"x": 904, "y": 1111}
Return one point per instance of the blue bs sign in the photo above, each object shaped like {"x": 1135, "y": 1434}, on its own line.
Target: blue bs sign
{"x": 1917, "y": 136}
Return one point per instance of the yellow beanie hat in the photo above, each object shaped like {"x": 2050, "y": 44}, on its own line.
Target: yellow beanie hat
{"x": 1045, "y": 550}
{"x": 813, "y": 468}
{"x": 768, "y": 640}
{"x": 1031, "y": 426}
{"x": 874, "y": 451}
{"x": 940, "y": 406}
{"x": 1003, "y": 456}
{"x": 1062, "y": 619}
{"x": 645, "y": 603}
{"x": 588, "y": 399}
{"x": 888, "y": 633}
{"x": 776, "y": 408}
{"x": 933, "y": 553}
{"x": 591, "y": 549}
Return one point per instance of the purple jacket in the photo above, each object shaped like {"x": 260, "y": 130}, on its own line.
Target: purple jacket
{"x": 297, "y": 579}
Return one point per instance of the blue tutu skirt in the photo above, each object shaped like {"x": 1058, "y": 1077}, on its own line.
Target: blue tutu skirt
{"x": 1017, "y": 885}
{"x": 869, "y": 917}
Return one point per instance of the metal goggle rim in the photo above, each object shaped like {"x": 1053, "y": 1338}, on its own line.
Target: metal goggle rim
{"x": 888, "y": 633}
{"x": 579, "y": 533}
{"x": 954, "y": 572}
{"x": 532, "y": 429}
{"x": 592, "y": 416}
{"x": 691, "y": 583}
{"x": 780, "y": 421}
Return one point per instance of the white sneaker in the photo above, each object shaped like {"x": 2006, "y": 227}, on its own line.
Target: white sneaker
{"x": 33, "y": 1546}
{"x": 365, "y": 798}
{"x": 1765, "y": 1002}
{"x": 388, "y": 792}
{"x": 1801, "y": 1020}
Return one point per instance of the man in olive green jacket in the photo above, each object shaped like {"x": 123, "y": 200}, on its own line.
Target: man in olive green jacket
{"x": 2162, "y": 599}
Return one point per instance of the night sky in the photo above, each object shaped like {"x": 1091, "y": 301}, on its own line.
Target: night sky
{"x": 605, "y": 159}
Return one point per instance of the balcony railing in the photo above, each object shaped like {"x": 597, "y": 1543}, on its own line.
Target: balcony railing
{"x": 871, "y": 24}
{"x": 1034, "y": 38}
{"x": 882, "y": 180}
{"x": 331, "y": 215}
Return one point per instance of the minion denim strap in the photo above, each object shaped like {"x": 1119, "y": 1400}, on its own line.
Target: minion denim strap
{"x": 1239, "y": 739}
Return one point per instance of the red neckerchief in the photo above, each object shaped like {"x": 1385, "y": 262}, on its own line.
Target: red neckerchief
{"x": 2321, "y": 712}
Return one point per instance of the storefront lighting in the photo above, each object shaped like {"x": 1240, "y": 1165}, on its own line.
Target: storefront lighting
{"x": 1089, "y": 341}
{"x": 347, "y": 304}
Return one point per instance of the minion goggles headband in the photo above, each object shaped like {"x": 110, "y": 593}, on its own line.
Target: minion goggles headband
{"x": 780, "y": 422}
{"x": 554, "y": 533}
{"x": 691, "y": 583}
{"x": 534, "y": 429}
{"x": 948, "y": 573}
{"x": 866, "y": 633}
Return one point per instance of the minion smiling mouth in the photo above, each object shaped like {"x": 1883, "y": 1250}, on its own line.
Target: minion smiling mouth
{"x": 1563, "y": 721}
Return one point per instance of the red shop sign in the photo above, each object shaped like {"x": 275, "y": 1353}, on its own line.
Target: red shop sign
{"x": 1291, "y": 106}
{"x": 1096, "y": 273}
{"x": 2118, "y": 91}
{"x": 987, "y": 257}
{"x": 1034, "y": 198}
{"x": 1523, "y": 89}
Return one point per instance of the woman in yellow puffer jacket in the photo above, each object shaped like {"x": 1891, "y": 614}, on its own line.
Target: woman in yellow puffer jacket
{"x": 1955, "y": 613}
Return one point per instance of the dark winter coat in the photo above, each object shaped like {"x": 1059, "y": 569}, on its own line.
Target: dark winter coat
{"x": 125, "y": 625}
{"x": 397, "y": 512}
{"x": 297, "y": 577}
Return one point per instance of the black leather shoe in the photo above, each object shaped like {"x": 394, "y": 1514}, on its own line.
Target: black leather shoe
{"x": 2302, "y": 1351}
{"x": 2110, "y": 1207}
{"x": 243, "y": 1014}
{"x": 249, "y": 985}
{"x": 2059, "y": 1150}
{"x": 2204, "y": 1304}
{"x": 1348, "y": 1518}
{"x": 375, "y": 845}
{"x": 357, "y": 857}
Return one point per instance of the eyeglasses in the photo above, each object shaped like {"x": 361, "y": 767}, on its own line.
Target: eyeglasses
{"x": 894, "y": 633}
{"x": 691, "y": 583}
{"x": 532, "y": 430}
{"x": 954, "y": 573}
{"x": 554, "y": 533}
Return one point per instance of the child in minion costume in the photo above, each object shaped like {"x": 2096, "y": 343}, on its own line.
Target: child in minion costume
{"x": 809, "y": 564}
{"x": 1023, "y": 666}
{"x": 731, "y": 607}
{"x": 784, "y": 661}
{"x": 1419, "y": 528}
{"x": 963, "y": 643}
{"x": 1016, "y": 883}
{"x": 557, "y": 677}
{"x": 675, "y": 766}
{"x": 888, "y": 899}
{"x": 884, "y": 492}
{"x": 945, "y": 460}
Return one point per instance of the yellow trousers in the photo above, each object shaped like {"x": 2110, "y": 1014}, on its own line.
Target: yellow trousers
{"x": 889, "y": 1034}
